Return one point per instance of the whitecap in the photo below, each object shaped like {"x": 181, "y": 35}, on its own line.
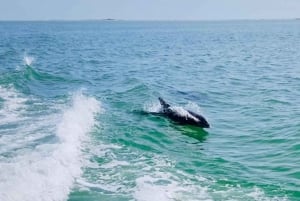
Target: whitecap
{"x": 28, "y": 60}
{"x": 47, "y": 173}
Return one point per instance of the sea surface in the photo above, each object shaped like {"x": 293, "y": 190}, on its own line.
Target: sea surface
{"x": 76, "y": 100}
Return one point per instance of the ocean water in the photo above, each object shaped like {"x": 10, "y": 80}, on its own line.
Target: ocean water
{"x": 75, "y": 97}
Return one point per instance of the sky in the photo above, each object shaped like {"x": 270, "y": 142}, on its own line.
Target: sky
{"x": 148, "y": 9}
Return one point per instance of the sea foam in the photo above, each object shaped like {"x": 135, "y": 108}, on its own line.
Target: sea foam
{"x": 11, "y": 104}
{"x": 154, "y": 107}
{"x": 47, "y": 173}
{"x": 28, "y": 60}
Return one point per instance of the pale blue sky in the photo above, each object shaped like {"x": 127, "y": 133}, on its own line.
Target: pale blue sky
{"x": 148, "y": 9}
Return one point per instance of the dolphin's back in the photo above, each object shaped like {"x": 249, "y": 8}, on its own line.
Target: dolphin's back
{"x": 183, "y": 117}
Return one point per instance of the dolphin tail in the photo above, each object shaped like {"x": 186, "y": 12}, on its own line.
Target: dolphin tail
{"x": 163, "y": 103}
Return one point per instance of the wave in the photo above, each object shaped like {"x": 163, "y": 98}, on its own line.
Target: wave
{"x": 47, "y": 171}
{"x": 161, "y": 184}
{"x": 28, "y": 77}
{"x": 31, "y": 73}
{"x": 155, "y": 177}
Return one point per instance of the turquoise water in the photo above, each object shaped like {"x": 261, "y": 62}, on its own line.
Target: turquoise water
{"x": 74, "y": 98}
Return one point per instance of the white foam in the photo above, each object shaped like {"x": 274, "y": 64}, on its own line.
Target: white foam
{"x": 165, "y": 186}
{"x": 116, "y": 164}
{"x": 86, "y": 185}
{"x": 154, "y": 107}
{"x": 155, "y": 177}
{"x": 48, "y": 172}
{"x": 28, "y": 60}
{"x": 147, "y": 190}
{"x": 194, "y": 107}
{"x": 13, "y": 105}
{"x": 259, "y": 195}
{"x": 164, "y": 182}
{"x": 16, "y": 133}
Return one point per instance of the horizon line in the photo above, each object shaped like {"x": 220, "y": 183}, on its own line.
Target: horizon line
{"x": 147, "y": 20}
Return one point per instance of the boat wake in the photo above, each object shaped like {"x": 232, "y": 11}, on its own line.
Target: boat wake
{"x": 46, "y": 150}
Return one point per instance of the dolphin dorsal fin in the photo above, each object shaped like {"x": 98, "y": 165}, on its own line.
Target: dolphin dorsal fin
{"x": 163, "y": 103}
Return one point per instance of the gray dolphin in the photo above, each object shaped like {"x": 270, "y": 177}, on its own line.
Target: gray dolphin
{"x": 182, "y": 116}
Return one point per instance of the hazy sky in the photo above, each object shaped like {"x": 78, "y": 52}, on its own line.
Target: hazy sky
{"x": 148, "y": 9}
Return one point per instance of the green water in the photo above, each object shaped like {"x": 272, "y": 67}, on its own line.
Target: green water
{"x": 75, "y": 98}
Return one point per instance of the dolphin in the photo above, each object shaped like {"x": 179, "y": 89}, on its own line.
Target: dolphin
{"x": 182, "y": 116}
